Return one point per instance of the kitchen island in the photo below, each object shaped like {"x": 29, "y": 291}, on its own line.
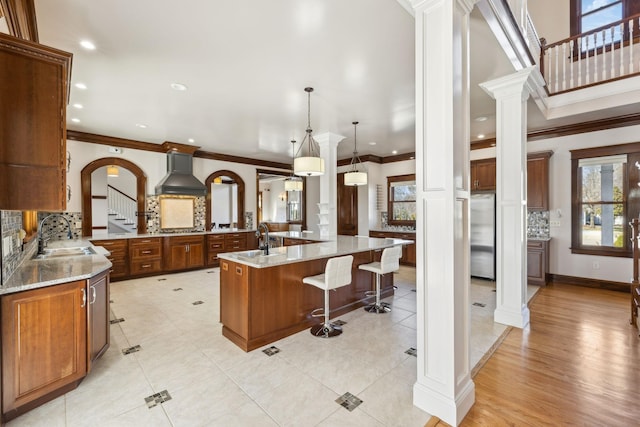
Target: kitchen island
{"x": 263, "y": 299}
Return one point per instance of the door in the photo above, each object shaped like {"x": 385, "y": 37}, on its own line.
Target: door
{"x": 98, "y": 300}
{"x": 347, "y": 208}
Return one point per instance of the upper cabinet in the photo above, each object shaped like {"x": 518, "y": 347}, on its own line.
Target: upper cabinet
{"x": 483, "y": 175}
{"x": 33, "y": 125}
{"x": 538, "y": 181}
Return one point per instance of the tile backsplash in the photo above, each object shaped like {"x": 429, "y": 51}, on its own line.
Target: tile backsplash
{"x": 11, "y": 225}
{"x": 538, "y": 224}
{"x": 153, "y": 216}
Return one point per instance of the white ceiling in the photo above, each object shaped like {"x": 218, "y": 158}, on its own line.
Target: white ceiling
{"x": 246, "y": 64}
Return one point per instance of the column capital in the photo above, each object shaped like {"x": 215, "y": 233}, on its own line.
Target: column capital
{"x": 412, "y": 5}
{"x": 328, "y": 138}
{"x": 523, "y": 81}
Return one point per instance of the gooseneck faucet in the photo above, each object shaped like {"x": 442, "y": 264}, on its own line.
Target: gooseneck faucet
{"x": 265, "y": 245}
{"x": 41, "y": 239}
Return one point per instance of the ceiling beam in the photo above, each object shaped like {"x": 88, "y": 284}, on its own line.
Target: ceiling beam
{"x": 21, "y": 18}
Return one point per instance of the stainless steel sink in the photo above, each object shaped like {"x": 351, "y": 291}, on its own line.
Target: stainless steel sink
{"x": 259, "y": 257}
{"x": 65, "y": 252}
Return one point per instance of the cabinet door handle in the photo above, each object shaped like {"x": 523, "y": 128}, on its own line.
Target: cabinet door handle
{"x": 93, "y": 294}
{"x": 146, "y": 252}
{"x": 146, "y": 265}
{"x": 84, "y": 298}
{"x": 187, "y": 248}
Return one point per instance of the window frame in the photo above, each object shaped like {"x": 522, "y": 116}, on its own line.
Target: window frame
{"x": 390, "y": 201}
{"x": 631, "y": 197}
{"x": 629, "y": 8}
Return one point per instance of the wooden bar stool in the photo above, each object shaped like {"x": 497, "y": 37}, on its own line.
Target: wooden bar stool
{"x": 389, "y": 262}
{"x": 337, "y": 273}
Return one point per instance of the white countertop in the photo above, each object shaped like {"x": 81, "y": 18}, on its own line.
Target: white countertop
{"x": 389, "y": 230}
{"x": 112, "y": 236}
{"x": 337, "y": 246}
{"x": 38, "y": 273}
{"x": 302, "y": 235}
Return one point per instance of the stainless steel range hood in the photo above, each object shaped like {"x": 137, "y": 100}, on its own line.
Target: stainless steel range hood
{"x": 179, "y": 179}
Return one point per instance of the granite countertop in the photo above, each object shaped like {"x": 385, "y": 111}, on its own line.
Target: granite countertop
{"x": 39, "y": 273}
{"x": 335, "y": 246}
{"x": 389, "y": 230}
{"x": 302, "y": 235}
{"x": 539, "y": 239}
{"x": 112, "y": 236}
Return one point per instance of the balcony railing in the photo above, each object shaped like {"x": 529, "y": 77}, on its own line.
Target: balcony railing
{"x": 597, "y": 56}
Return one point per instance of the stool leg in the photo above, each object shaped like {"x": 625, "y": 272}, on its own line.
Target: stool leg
{"x": 326, "y": 329}
{"x": 378, "y": 307}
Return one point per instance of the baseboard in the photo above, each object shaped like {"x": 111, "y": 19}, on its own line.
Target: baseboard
{"x": 589, "y": 283}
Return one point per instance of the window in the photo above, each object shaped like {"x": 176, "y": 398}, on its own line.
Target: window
{"x": 605, "y": 195}
{"x": 587, "y": 15}
{"x": 402, "y": 199}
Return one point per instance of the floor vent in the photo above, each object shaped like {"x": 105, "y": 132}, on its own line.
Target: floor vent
{"x": 412, "y": 352}
{"x": 177, "y": 289}
{"x": 339, "y": 322}
{"x": 156, "y": 398}
{"x": 134, "y": 349}
{"x": 271, "y": 350}
{"x": 162, "y": 280}
{"x": 197, "y": 302}
{"x": 348, "y": 401}
{"x": 114, "y": 321}
{"x": 479, "y": 304}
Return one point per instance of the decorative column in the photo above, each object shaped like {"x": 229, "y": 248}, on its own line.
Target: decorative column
{"x": 511, "y": 93}
{"x": 328, "y": 212}
{"x": 444, "y": 387}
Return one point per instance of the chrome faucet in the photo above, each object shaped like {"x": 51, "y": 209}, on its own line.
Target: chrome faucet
{"x": 265, "y": 246}
{"x": 42, "y": 243}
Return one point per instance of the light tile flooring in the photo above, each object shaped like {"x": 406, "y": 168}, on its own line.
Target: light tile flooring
{"x": 213, "y": 383}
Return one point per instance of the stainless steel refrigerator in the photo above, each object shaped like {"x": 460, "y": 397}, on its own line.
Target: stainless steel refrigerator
{"x": 483, "y": 235}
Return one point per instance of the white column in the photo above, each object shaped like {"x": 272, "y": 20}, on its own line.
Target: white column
{"x": 328, "y": 143}
{"x": 511, "y": 93}
{"x": 444, "y": 387}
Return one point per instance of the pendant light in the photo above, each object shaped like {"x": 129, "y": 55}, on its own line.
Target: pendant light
{"x": 354, "y": 177}
{"x": 293, "y": 183}
{"x": 312, "y": 164}
{"x": 113, "y": 171}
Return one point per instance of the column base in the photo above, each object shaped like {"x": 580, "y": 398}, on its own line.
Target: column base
{"x": 451, "y": 411}
{"x": 519, "y": 319}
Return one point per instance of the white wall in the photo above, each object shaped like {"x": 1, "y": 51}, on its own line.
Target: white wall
{"x": 221, "y": 204}
{"x": 551, "y": 19}
{"x": 562, "y": 262}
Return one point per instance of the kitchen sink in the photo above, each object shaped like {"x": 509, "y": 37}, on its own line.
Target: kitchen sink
{"x": 258, "y": 256}
{"x": 65, "y": 252}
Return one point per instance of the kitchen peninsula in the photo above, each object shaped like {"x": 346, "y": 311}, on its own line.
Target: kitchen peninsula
{"x": 263, "y": 299}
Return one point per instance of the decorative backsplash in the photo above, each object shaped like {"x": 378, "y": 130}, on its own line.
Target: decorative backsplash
{"x": 248, "y": 220}
{"x": 55, "y": 228}
{"x": 538, "y": 224}
{"x": 153, "y": 216}
{"x": 11, "y": 225}
{"x": 384, "y": 224}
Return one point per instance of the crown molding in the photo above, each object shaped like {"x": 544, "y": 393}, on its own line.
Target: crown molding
{"x": 20, "y": 16}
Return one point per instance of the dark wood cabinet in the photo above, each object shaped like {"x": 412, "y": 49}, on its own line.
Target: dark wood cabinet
{"x": 538, "y": 181}
{"x": 288, "y": 241}
{"x": 98, "y": 337}
{"x": 215, "y": 245}
{"x": 145, "y": 256}
{"x": 408, "y": 251}
{"x": 537, "y": 262}
{"x": 183, "y": 252}
{"x": 44, "y": 345}
{"x": 119, "y": 256}
{"x": 33, "y": 134}
{"x": 483, "y": 175}
{"x": 229, "y": 242}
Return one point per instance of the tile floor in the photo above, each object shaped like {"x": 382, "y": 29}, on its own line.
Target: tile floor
{"x": 211, "y": 382}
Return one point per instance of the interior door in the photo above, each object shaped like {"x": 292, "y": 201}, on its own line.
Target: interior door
{"x": 347, "y": 208}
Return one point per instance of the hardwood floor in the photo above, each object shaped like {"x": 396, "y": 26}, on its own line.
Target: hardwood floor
{"x": 577, "y": 364}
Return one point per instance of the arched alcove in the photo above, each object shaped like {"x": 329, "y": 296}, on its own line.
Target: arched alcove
{"x": 231, "y": 178}
{"x": 85, "y": 179}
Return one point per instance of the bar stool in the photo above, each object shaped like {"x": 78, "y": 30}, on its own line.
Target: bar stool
{"x": 389, "y": 261}
{"x": 337, "y": 273}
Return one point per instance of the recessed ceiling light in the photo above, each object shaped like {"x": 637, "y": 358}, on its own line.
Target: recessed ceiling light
{"x": 481, "y": 135}
{"x": 191, "y": 140}
{"x": 81, "y": 86}
{"x": 481, "y": 119}
{"x": 78, "y": 106}
{"x": 141, "y": 125}
{"x": 87, "y": 45}
{"x": 75, "y": 120}
{"x": 178, "y": 86}
{"x": 372, "y": 143}
{"x": 394, "y": 152}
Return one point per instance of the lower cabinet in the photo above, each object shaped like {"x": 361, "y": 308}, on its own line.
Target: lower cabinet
{"x": 98, "y": 337}
{"x": 119, "y": 257}
{"x": 537, "y": 262}
{"x": 183, "y": 252}
{"x": 145, "y": 256}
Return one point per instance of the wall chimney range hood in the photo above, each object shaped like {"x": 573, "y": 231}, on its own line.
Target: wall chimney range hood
{"x": 179, "y": 179}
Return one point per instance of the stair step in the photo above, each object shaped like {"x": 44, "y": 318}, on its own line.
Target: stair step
{"x": 129, "y": 223}
{"x": 112, "y": 214}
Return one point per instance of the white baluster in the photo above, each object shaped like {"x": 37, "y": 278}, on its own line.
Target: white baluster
{"x": 613, "y": 71}
{"x": 548, "y": 65}
{"x": 621, "y": 50}
{"x": 564, "y": 66}
{"x": 631, "y": 46}
{"x": 587, "y": 71}
{"x": 556, "y": 50}
{"x": 604, "y": 56}
{"x": 579, "y": 46}
{"x": 595, "y": 57}
{"x": 571, "y": 43}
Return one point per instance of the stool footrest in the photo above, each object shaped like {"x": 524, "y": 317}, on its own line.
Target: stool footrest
{"x": 318, "y": 312}
{"x": 379, "y": 309}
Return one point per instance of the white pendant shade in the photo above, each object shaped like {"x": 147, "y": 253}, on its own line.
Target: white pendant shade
{"x": 355, "y": 178}
{"x": 308, "y": 166}
{"x": 293, "y": 184}
{"x": 113, "y": 171}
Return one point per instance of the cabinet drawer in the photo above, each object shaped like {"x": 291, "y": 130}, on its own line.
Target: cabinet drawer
{"x": 235, "y": 245}
{"x": 147, "y": 241}
{"x": 212, "y": 257}
{"x": 212, "y": 237}
{"x": 216, "y": 246}
{"x": 235, "y": 236}
{"x": 535, "y": 244}
{"x": 380, "y": 234}
{"x": 406, "y": 236}
{"x": 145, "y": 266}
{"x": 118, "y": 269}
{"x": 140, "y": 252}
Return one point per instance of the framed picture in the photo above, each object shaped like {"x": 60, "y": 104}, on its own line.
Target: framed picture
{"x": 177, "y": 212}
